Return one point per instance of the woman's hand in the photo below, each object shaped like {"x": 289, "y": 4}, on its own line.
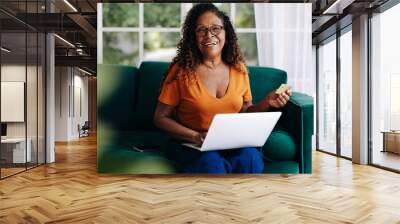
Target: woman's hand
{"x": 198, "y": 137}
{"x": 278, "y": 100}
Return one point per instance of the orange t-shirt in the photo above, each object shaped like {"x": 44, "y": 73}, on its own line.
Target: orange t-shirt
{"x": 195, "y": 107}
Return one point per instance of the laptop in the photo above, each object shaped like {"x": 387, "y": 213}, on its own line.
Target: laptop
{"x": 238, "y": 130}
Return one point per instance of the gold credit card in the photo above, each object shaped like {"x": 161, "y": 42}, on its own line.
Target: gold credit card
{"x": 282, "y": 88}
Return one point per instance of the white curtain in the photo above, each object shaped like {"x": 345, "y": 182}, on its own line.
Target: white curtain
{"x": 284, "y": 41}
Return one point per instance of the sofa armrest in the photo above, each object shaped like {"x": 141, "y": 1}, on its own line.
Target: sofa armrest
{"x": 116, "y": 98}
{"x": 298, "y": 118}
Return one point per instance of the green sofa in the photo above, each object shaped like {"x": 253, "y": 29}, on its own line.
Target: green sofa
{"x": 126, "y": 100}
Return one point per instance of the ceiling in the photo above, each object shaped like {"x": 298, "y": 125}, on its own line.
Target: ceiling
{"x": 77, "y": 25}
{"x": 329, "y": 16}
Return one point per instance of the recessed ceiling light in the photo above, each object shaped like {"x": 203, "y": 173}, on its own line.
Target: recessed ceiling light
{"x": 84, "y": 71}
{"x": 70, "y": 5}
{"x": 337, "y": 7}
{"x": 64, "y": 40}
{"x": 5, "y": 50}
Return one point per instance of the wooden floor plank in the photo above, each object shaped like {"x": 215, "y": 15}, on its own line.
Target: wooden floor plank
{"x": 70, "y": 191}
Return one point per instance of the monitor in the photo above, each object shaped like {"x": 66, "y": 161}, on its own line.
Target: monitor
{"x": 3, "y": 129}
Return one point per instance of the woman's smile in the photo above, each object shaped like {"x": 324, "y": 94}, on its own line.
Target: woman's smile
{"x": 209, "y": 44}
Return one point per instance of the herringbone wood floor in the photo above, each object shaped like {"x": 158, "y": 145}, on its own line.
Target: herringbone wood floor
{"x": 70, "y": 191}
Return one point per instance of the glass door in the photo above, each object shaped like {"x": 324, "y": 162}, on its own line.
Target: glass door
{"x": 22, "y": 77}
{"x": 327, "y": 96}
{"x": 13, "y": 103}
{"x": 385, "y": 89}
{"x": 346, "y": 93}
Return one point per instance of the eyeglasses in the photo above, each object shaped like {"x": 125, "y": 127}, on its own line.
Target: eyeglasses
{"x": 214, "y": 30}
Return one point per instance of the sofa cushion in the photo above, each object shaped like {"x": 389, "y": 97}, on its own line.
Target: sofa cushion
{"x": 116, "y": 155}
{"x": 142, "y": 137}
{"x": 150, "y": 75}
{"x": 122, "y": 160}
{"x": 280, "y": 146}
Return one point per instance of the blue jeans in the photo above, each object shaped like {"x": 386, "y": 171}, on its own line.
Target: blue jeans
{"x": 242, "y": 160}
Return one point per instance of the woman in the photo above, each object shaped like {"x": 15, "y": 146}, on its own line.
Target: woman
{"x": 208, "y": 76}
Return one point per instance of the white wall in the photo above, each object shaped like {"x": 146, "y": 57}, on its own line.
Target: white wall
{"x": 33, "y": 126}
{"x": 79, "y": 117}
{"x": 15, "y": 72}
{"x": 71, "y": 87}
{"x": 61, "y": 103}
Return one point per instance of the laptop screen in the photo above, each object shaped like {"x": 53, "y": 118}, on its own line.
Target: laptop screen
{"x": 3, "y": 129}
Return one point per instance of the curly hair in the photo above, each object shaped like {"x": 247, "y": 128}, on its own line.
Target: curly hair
{"x": 188, "y": 54}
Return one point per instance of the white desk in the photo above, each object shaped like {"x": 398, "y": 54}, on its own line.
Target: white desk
{"x": 18, "y": 150}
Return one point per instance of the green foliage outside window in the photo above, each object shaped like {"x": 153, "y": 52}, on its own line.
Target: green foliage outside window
{"x": 156, "y": 40}
{"x": 248, "y": 45}
{"x": 160, "y": 46}
{"x": 162, "y": 15}
{"x": 120, "y": 48}
{"x": 225, "y": 7}
{"x": 245, "y": 15}
{"x": 120, "y": 15}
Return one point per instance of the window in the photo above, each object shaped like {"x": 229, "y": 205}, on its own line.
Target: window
{"x": 120, "y": 15}
{"x": 385, "y": 86}
{"x": 394, "y": 101}
{"x": 160, "y": 45}
{"x": 133, "y": 32}
{"x": 121, "y": 48}
{"x": 327, "y": 96}
{"x": 162, "y": 15}
{"x": 346, "y": 94}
